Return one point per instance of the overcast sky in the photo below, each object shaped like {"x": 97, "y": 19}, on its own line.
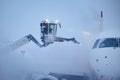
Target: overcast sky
{"x": 21, "y": 17}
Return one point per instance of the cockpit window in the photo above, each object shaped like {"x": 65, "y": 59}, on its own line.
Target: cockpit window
{"x": 110, "y": 42}
{"x": 96, "y": 43}
{"x": 119, "y": 42}
{"x": 107, "y": 42}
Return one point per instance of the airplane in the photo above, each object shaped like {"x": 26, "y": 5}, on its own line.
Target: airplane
{"x": 105, "y": 55}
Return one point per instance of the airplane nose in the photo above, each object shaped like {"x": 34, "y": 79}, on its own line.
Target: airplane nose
{"x": 105, "y": 63}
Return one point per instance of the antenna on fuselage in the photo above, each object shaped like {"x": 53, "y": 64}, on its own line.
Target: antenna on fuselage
{"x": 101, "y": 21}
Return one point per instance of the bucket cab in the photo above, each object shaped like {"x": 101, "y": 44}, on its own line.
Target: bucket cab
{"x": 48, "y": 30}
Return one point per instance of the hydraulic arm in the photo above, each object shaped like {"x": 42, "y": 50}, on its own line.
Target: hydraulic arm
{"x": 22, "y": 42}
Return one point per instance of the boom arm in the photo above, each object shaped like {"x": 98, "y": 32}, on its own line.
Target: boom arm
{"x": 59, "y": 39}
{"x": 22, "y": 42}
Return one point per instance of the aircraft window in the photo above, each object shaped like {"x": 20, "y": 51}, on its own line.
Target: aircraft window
{"x": 96, "y": 44}
{"x": 109, "y": 42}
